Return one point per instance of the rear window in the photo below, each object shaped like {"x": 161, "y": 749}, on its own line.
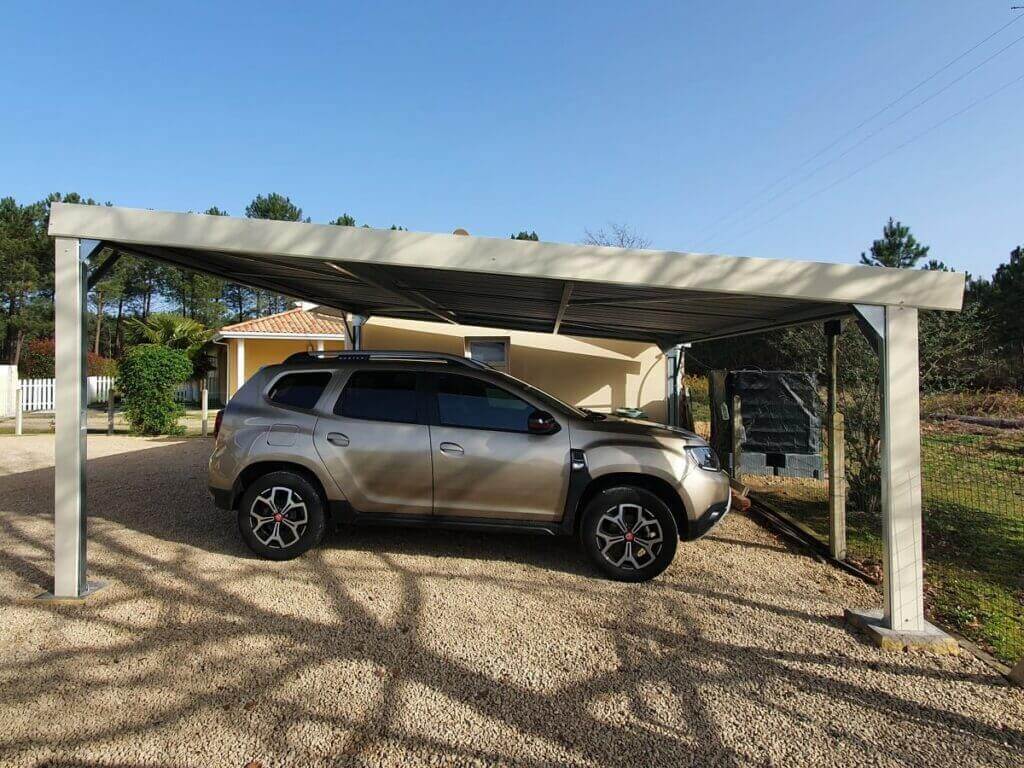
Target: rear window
{"x": 380, "y": 396}
{"x": 299, "y": 390}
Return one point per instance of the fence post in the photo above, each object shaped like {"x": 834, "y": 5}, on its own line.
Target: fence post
{"x": 837, "y": 486}
{"x": 110, "y": 409}
{"x": 836, "y": 448}
{"x": 18, "y": 417}
{"x": 204, "y": 396}
{"x": 737, "y": 436}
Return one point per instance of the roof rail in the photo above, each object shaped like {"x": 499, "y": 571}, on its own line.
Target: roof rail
{"x": 385, "y": 355}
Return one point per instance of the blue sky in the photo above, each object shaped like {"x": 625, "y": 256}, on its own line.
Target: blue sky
{"x": 549, "y": 116}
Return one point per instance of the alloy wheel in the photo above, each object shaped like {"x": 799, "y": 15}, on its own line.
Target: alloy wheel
{"x": 278, "y": 517}
{"x": 629, "y": 536}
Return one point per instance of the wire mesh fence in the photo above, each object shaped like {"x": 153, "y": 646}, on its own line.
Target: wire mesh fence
{"x": 972, "y": 482}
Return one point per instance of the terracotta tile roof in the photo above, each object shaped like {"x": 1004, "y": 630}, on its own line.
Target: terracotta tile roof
{"x": 300, "y": 322}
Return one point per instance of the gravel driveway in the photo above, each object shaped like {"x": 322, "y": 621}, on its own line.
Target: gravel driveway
{"x": 392, "y": 647}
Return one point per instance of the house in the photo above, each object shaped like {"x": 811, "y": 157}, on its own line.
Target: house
{"x": 601, "y": 374}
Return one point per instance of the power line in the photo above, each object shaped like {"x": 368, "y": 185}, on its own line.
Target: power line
{"x": 883, "y": 127}
{"x": 883, "y": 156}
{"x": 713, "y": 229}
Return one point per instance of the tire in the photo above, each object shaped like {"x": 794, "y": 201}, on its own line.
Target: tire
{"x": 617, "y": 518}
{"x": 281, "y": 500}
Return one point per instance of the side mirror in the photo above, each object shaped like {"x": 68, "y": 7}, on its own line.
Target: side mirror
{"x": 542, "y": 423}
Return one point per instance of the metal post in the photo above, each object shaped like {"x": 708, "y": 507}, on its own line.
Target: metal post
{"x": 737, "y": 436}
{"x": 111, "y": 392}
{"x": 672, "y": 355}
{"x": 18, "y": 405}
{"x": 836, "y": 446}
{"x": 357, "y": 323}
{"x": 901, "y": 623}
{"x": 903, "y": 581}
{"x": 686, "y": 405}
{"x": 204, "y": 397}
{"x": 69, "y": 556}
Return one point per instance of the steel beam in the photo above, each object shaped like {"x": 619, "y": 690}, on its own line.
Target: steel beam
{"x": 562, "y": 306}
{"x": 382, "y": 282}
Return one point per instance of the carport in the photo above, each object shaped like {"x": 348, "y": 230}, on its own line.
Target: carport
{"x": 665, "y": 297}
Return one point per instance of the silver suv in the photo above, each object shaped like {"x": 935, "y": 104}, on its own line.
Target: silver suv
{"x": 417, "y": 438}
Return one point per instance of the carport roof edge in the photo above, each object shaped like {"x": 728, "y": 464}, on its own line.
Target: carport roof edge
{"x": 801, "y": 290}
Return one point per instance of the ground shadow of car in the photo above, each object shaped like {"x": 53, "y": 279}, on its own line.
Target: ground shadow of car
{"x": 160, "y": 491}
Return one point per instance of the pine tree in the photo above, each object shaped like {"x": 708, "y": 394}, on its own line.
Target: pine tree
{"x": 897, "y": 248}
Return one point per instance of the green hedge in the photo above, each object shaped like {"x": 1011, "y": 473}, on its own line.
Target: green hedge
{"x": 147, "y": 379}
{"x": 37, "y": 362}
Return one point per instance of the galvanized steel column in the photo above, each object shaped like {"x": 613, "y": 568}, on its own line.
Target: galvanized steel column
{"x": 903, "y": 578}
{"x": 69, "y": 561}
{"x": 672, "y": 358}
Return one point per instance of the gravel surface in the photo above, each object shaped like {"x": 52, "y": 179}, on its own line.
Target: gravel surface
{"x": 392, "y": 647}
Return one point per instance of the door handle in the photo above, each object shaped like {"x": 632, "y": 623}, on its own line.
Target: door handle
{"x": 452, "y": 449}
{"x": 336, "y": 438}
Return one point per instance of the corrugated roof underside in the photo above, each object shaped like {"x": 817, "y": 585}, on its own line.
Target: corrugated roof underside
{"x": 525, "y": 303}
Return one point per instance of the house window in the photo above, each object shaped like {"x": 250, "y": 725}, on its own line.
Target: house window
{"x": 490, "y": 351}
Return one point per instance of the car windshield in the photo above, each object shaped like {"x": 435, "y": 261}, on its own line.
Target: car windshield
{"x": 549, "y": 400}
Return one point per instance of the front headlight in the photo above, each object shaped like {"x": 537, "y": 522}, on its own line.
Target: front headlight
{"x": 704, "y": 457}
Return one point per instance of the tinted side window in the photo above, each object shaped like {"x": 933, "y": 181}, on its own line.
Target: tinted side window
{"x": 299, "y": 390}
{"x": 466, "y": 402}
{"x": 380, "y": 396}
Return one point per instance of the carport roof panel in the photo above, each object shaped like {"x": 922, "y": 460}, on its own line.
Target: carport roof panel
{"x": 615, "y": 292}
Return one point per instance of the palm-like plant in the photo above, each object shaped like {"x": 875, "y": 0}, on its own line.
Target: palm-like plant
{"x": 181, "y": 333}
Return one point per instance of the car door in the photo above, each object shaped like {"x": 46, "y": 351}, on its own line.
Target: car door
{"x": 486, "y": 463}
{"x": 376, "y": 443}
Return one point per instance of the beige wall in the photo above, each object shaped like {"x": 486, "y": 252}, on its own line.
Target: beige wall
{"x": 261, "y": 352}
{"x": 594, "y": 373}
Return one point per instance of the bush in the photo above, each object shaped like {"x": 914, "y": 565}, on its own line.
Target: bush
{"x": 147, "y": 379}
{"x": 37, "y": 362}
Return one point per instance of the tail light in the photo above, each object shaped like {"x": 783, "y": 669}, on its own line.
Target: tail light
{"x": 217, "y": 422}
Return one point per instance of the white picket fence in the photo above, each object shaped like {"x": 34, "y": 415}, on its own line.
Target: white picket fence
{"x": 38, "y": 394}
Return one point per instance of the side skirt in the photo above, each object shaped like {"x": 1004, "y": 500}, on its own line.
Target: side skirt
{"x": 344, "y": 514}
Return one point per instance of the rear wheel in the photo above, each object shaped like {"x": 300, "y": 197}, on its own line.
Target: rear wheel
{"x": 281, "y": 515}
{"x": 629, "y": 533}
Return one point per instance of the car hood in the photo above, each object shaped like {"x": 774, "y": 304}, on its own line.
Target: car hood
{"x": 618, "y": 425}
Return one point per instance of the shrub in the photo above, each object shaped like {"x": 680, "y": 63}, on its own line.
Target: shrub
{"x": 147, "y": 379}
{"x": 37, "y": 362}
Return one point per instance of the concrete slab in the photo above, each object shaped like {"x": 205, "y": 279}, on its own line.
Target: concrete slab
{"x": 930, "y": 639}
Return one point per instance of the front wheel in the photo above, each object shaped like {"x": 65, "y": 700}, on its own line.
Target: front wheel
{"x": 629, "y": 533}
{"x": 281, "y": 515}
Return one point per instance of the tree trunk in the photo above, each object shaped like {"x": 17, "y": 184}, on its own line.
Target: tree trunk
{"x": 16, "y": 357}
{"x": 118, "y": 341}
{"x": 99, "y": 321}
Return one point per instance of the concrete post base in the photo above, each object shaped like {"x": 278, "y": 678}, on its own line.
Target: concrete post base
{"x": 931, "y": 638}
{"x": 1017, "y": 675}
{"x": 91, "y": 588}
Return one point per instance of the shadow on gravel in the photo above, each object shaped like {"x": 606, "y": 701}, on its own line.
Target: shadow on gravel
{"x": 242, "y": 660}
